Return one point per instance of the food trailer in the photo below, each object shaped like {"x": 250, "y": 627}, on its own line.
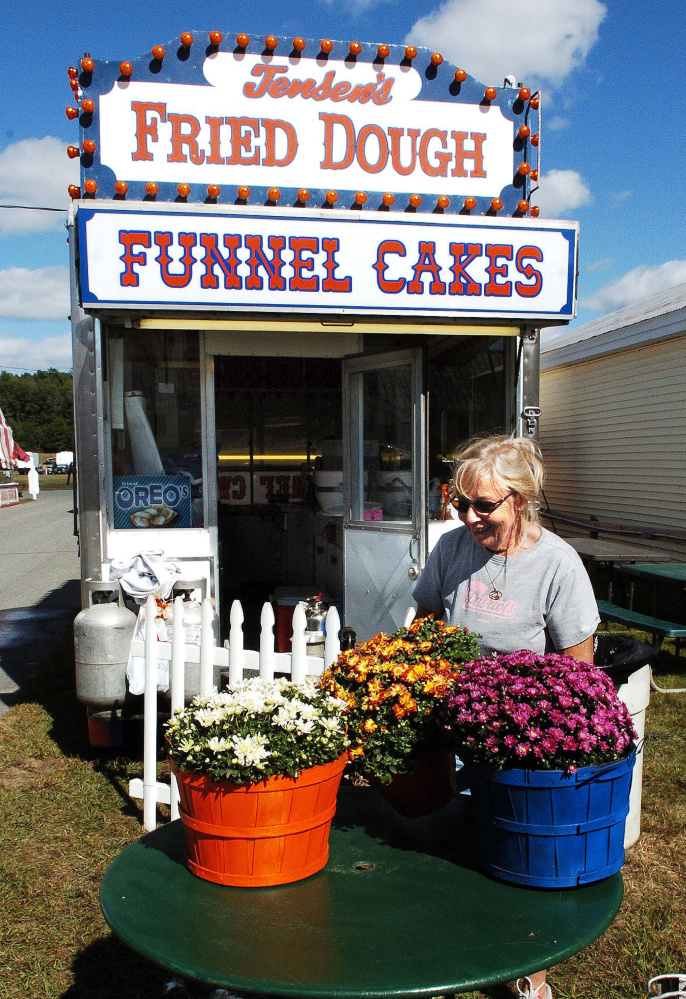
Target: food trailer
{"x": 301, "y": 272}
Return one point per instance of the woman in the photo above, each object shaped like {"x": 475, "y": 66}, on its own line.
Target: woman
{"x": 504, "y": 576}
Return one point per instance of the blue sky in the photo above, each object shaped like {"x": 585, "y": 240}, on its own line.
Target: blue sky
{"x": 613, "y": 132}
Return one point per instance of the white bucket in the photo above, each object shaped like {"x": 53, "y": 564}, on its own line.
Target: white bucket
{"x": 394, "y": 490}
{"x": 635, "y": 693}
{"x": 329, "y": 487}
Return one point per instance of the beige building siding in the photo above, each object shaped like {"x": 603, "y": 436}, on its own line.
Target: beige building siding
{"x": 613, "y": 436}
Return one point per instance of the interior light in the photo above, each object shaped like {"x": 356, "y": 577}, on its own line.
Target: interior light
{"x": 151, "y": 188}
{"x": 491, "y": 93}
{"x": 244, "y": 193}
{"x": 158, "y": 52}
{"x": 72, "y": 73}
{"x": 534, "y": 140}
{"x": 355, "y": 48}
{"x": 523, "y": 206}
{"x": 326, "y": 45}
{"x": 360, "y": 198}
{"x": 383, "y": 51}
{"x": 303, "y": 195}
{"x": 524, "y": 132}
{"x": 88, "y": 146}
{"x": 273, "y": 194}
{"x": 524, "y": 94}
{"x": 388, "y": 199}
{"x": 242, "y": 41}
{"x": 332, "y": 197}
{"x": 470, "y": 204}
{"x": 87, "y": 65}
{"x": 91, "y": 186}
{"x": 415, "y": 200}
{"x": 213, "y": 191}
{"x": 216, "y": 37}
{"x": 271, "y": 42}
{"x": 121, "y": 187}
{"x": 535, "y": 101}
{"x": 523, "y": 169}
{"x": 534, "y": 175}
{"x": 410, "y": 52}
{"x": 443, "y": 201}
{"x": 183, "y": 190}
{"x": 72, "y": 152}
{"x": 299, "y": 44}
{"x": 436, "y": 58}
{"x": 125, "y": 68}
{"x": 74, "y": 191}
{"x": 72, "y": 113}
{"x": 535, "y": 211}
{"x": 74, "y": 85}
{"x": 88, "y": 106}
{"x": 460, "y": 75}
{"x": 186, "y": 39}
{"x": 496, "y": 205}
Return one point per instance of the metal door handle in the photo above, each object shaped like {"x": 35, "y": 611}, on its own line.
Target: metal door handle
{"x": 412, "y": 541}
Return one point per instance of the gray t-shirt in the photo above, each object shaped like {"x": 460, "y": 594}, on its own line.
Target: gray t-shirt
{"x": 547, "y": 601}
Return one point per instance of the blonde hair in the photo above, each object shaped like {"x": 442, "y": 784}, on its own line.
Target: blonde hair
{"x": 513, "y": 462}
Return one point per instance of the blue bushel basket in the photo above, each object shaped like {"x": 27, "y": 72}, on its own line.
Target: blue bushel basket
{"x": 550, "y": 829}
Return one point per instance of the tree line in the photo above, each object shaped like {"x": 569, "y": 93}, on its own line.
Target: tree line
{"x": 39, "y": 409}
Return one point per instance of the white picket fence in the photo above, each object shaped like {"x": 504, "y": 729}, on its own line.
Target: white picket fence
{"x": 235, "y": 658}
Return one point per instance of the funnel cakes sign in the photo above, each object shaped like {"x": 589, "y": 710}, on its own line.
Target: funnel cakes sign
{"x": 304, "y": 123}
{"x": 280, "y": 259}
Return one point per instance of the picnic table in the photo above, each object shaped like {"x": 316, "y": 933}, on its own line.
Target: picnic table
{"x": 613, "y": 552}
{"x": 401, "y": 909}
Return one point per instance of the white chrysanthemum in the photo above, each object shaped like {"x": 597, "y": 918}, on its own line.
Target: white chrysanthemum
{"x": 330, "y": 724}
{"x": 252, "y": 701}
{"x": 205, "y": 716}
{"x": 304, "y": 727}
{"x": 250, "y": 750}
{"x": 186, "y": 745}
{"x": 219, "y": 745}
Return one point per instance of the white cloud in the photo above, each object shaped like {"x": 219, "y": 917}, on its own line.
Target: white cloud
{"x": 39, "y": 294}
{"x": 640, "y": 283}
{"x": 35, "y": 172}
{"x": 557, "y": 124}
{"x": 620, "y": 195}
{"x": 561, "y": 191}
{"x": 534, "y": 39}
{"x": 598, "y": 266}
{"x": 33, "y": 355}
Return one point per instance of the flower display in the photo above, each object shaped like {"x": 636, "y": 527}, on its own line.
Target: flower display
{"x": 258, "y": 729}
{"x": 541, "y": 712}
{"x": 392, "y": 685}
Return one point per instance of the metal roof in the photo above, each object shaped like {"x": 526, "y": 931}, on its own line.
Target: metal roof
{"x": 660, "y": 317}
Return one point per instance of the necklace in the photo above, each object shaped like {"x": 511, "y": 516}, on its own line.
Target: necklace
{"x": 495, "y": 593}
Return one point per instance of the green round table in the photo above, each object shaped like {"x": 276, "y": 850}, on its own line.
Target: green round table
{"x": 401, "y": 909}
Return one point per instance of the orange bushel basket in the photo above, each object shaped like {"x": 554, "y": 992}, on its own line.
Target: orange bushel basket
{"x": 252, "y": 835}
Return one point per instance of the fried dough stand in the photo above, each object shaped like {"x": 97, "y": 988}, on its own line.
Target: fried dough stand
{"x": 303, "y": 270}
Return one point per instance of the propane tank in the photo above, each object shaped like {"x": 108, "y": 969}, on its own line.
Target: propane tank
{"x": 315, "y": 629}
{"x": 102, "y": 640}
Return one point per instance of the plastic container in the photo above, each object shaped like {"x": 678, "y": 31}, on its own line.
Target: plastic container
{"x": 550, "y": 829}
{"x": 252, "y": 835}
{"x": 628, "y": 664}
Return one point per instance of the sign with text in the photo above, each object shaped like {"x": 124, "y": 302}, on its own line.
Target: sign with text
{"x": 229, "y": 116}
{"x": 151, "y": 501}
{"x": 281, "y": 260}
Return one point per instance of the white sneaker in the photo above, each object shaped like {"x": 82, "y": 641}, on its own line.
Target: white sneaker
{"x": 667, "y": 986}
{"x": 529, "y": 992}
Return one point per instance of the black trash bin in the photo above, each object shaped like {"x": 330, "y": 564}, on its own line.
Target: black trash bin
{"x": 628, "y": 663}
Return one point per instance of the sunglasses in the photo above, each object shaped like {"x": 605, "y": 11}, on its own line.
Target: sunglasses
{"x": 463, "y": 503}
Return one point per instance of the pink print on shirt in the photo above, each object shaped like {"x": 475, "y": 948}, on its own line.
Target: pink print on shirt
{"x": 479, "y": 602}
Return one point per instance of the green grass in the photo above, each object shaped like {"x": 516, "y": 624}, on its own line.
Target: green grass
{"x": 65, "y": 816}
{"x": 46, "y": 482}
